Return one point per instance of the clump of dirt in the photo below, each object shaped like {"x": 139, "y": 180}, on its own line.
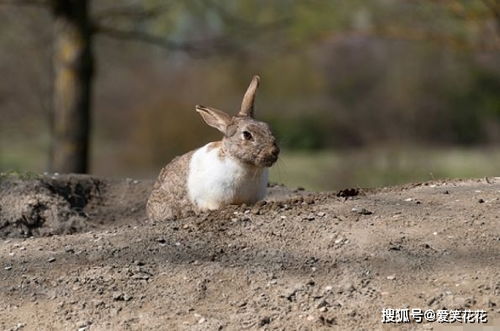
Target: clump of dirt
{"x": 65, "y": 204}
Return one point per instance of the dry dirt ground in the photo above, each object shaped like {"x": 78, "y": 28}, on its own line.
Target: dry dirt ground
{"x": 77, "y": 253}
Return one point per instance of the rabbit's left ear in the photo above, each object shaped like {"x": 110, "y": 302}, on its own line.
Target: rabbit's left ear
{"x": 214, "y": 117}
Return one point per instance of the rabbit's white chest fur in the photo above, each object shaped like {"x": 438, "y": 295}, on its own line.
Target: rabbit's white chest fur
{"x": 214, "y": 181}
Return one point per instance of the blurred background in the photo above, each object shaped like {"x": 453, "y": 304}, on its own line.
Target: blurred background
{"x": 359, "y": 93}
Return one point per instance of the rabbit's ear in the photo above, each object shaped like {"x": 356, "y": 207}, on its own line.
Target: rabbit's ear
{"x": 214, "y": 117}
{"x": 249, "y": 97}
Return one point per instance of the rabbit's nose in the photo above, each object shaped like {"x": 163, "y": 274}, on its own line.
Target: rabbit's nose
{"x": 275, "y": 150}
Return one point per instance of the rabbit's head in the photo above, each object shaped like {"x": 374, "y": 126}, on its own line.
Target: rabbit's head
{"x": 245, "y": 138}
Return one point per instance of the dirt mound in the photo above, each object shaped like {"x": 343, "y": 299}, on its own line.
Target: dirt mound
{"x": 35, "y": 206}
{"x": 299, "y": 260}
{"x": 66, "y": 204}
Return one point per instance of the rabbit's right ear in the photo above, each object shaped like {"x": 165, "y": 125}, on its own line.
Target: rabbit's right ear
{"x": 249, "y": 98}
{"x": 214, "y": 117}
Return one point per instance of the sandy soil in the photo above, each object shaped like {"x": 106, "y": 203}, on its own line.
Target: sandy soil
{"x": 77, "y": 253}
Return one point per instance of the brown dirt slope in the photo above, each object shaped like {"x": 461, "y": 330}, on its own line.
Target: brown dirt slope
{"x": 76, "y": 252}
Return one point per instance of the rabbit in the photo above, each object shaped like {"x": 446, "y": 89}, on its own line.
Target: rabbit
{"x": 233, "y": 170}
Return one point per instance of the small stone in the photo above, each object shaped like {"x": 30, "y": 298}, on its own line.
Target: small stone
{"x": 141, "y": 275}
{"x": 391, "y": 277}
{"x": 362, "y": 211}
{"x": 98, "y": 303}
{"x": 9, "y": 267}
{"x": 202, "y": 320}
{"x": 433, "y": 300}
{"x": 309, "y": 200}
{"x": 19, "y": 326}
{"x": 261, "y": 203}
{"x": 322, "y": 303}
{"x": 349, "y": 288}
{"x": 490, "y": 303}
{"x": 481, "y": 201}
{"x": 265, "y": 320}
{"x": 121, "y": 297}
{"x": 321, "y": 214}
{"x": 349, "y": 192}
{"x": 51, "y": 259}
{"x": 351, "y": 313}
{"x": 84, "y": 324}
{"x": 256, "y": 210}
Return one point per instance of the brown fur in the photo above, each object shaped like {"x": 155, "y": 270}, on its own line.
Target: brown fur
{"x": 169, "y": 200}
{"x": 217, "y": 145}
{"x": 214, "y": 145}
{"x": 261, "y": 151}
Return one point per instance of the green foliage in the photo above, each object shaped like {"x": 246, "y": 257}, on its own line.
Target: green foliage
{"x": 301, "y": 133}
{"x": 476, "y": 108}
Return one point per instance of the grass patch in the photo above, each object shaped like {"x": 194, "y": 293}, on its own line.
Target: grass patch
{"x": 332, "y": 170}
{"x": 318, "y": 171}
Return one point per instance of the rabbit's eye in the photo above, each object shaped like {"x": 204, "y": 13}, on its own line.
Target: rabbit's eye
{"x": 247, "y": 135}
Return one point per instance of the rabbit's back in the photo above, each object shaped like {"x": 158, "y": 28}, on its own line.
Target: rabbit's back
{"x": 169, "y": 198}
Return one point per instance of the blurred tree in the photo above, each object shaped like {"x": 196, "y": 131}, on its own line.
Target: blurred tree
{"x": 73, "y": 71}
{"x": 74, "y": 29}
{"x": 73, "y": 66}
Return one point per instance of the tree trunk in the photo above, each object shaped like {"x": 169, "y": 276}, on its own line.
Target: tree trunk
{"x": 73, "y": 66}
